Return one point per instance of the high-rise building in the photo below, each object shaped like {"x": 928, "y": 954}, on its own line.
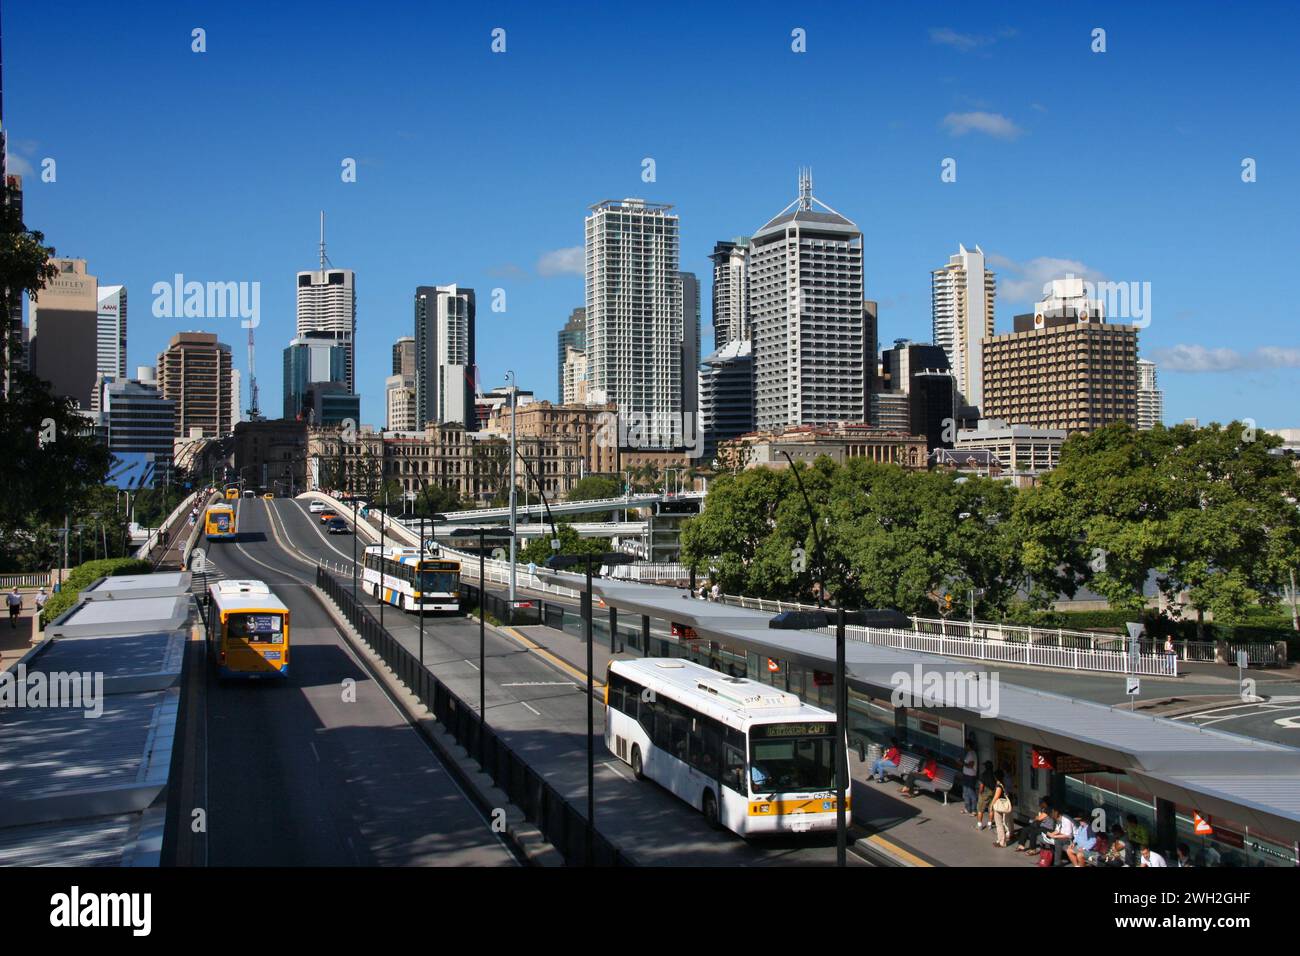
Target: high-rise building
{"x": 311, "y": 357}
{"x": 962, "y": 295}
{"x": 1063, "y": 367}
{"x": 574, "y": 379}
{"x": 806, "y": 304}
{"x": 111, "y": 330}
{"x": 399, "y": 392}
{"x": 404, "y": 356}
{"x": 444, "y": 356}
{"x": 730, "y": 292}
{"x": 690, "y": 346}
{"x": 331, "y": 403}
{"x": 726, "y": 384}
{"x": 920, "y": 374}
{"x": 573, "y": 335}
{"x": 15, "y": 337}
{"x": 64, "y": 322}
{"x": 138, "y": 417}
{"x": 635, "y": 316}
{"x": 196, "y": 374}
{"x": 236, "y": 391}
{"x": 327, "y": 302}
{"x": 1150, "y": 400}
{"x": 870, "y": 345}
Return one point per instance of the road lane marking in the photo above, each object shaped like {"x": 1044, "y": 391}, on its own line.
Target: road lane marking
{"x": 540, "y": 683}
{"x": 893, "y": 849}
{"x": 618, "y": 770}
{"x": 470, "y": 663}
{"x": 531, "y": 707}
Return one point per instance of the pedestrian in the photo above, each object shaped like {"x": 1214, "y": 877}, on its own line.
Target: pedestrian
{"x": 929, "y": 770}
{"x": 1135, "y": 836}
{"x": 1001, "y": 806}
{"x": 715, "y": 593}
{"x": 1062, "y": 834}
{"x": 1027, "y": 837}
{"x": 1151, "y": 858}
{"x": 15, "y": 601}
{"x": 1169, "y": 649}
{"x": 1083, "y": 843}
{"x": 970, "y": 766}
{"x": 887, "y": 762}
{"x": 984, "y": 800}
{"x": 42, "y": 597}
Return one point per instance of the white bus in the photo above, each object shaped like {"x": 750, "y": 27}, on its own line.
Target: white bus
{"x": 399, "y": 576}
{"x": 752, "y": 758}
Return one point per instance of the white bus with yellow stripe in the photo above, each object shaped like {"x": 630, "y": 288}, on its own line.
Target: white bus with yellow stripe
{"x": 751, "y": 758}
{"x": 411, "y": 581}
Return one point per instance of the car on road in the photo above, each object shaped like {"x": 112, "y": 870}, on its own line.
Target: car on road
{"x": 268, "y": 496}
{"x": 337, "y": 526}
{"x": 316, "y": 507}
{"x": 326, "y": 516}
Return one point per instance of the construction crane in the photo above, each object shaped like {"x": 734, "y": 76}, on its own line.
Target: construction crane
{"x": 254, "y": 412}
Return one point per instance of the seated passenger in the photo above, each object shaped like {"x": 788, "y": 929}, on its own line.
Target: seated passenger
{"x": 890, "y": 759}
{"x": 1083, "y": 843}
{"x": 929, "y": 770}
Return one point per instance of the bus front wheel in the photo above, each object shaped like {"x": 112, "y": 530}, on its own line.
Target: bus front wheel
{"x": 636, "y": 763}
{"x": 711, "y": 809}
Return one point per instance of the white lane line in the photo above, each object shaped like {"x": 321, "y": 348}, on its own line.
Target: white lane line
{"x": 531, "y": 707}
{"x": 616, "y": 768}
{"x": 473, "y": 665}
{"x": 540, "y": 683}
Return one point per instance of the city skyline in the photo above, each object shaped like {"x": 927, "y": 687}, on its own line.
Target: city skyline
{"x": 179, "y": 206}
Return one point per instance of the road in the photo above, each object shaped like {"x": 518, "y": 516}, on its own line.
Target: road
{"x": 540, "y": 711}
{"x": 320, "y": 772}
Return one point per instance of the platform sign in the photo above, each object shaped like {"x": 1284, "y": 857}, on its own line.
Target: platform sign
{"x": 1132, "y": 686}
{"x": 1042, "y": 759}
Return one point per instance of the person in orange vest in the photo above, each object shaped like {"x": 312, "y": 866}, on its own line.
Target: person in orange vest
{"x": 929, "y": 770}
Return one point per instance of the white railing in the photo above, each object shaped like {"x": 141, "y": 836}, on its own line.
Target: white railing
{"x": 981, "y": 630}
{"x": 1015, "y": 652}
{"x": 650, "y": 572}
{"x": 143, "y": 552}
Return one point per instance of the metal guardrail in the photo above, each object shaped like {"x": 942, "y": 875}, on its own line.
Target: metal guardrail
{"x": 558, "y": 820}
{"x": 1015, "y": 652}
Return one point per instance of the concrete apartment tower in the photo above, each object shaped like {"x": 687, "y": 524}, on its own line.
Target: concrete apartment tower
{"x": 399, "y": 387}
{"x": 1150, "y": 399}
{"x": 635, "y": 316}
{"x": 327, "y": 303}
{"x": 572, "y": 336}
{"x": 444, "y": 356}
{"x": 962, "y": 295}
{"x": 806, "y": 306}
{"x": 195, "y": 373}
{"x": 730, "y": 291}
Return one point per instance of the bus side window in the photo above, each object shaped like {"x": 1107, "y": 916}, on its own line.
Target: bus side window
{"x": 631, "y": 698}
{"x": 733, "y": 769}
{"x": 617, "y": 688}
{"x": 646, "y": 715}
{"x": 706, "y": 747}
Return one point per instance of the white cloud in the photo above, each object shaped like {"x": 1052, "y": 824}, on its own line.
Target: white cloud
{"x": 1198, "y": 358}
{"x": 1021, "y": 283}
{"x": 570, "y": 261}
{"x": 18, "y": 165}
{"x": 978, "y": 121}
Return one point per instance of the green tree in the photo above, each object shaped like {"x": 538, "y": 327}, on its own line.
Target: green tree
{"x": 595, "y": 487}
{"x": 539, "y": 549}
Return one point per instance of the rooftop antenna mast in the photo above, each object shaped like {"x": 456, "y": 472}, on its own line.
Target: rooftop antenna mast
{"x": 324, "y": 259}
{"x": 254, "y": 412}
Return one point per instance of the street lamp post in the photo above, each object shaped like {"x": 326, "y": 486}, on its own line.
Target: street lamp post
{"x": 514, "y": 502}
{"x": 483, "y": 534}
{"x": 558, "y": 562}
{"x": 841, "y": 683}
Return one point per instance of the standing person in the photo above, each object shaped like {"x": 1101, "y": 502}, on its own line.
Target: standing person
{"x": 1135, "y": 835}
{"x": 970, "y": 766}
{"x": 1002, "y": 807}
{"x": 42, "y": 597}
{"x": 1169, "y": 646}
{"x": 987, "y": 784}
{"x": 715, "y": 592}
{"x": 15, "y": 601}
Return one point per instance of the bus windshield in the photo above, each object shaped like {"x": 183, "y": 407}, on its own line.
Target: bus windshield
{"x": 437, "y": 582}
{"x": 792, "y": 757}
{"x": 255, "y": 628}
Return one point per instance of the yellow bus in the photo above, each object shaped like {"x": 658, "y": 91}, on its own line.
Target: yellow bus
{"x": 248, "y": 630}
{"x": 219, "y": 522}
{"x": 232, "y": 492}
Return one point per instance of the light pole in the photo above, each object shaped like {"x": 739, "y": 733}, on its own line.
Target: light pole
{"x": 558, "y": 562}
{"x": 841, "y": 682}
{"x": 354, "y": 550}
{"x": 483, "y": 534}
{"x": 420, "y": 567}
{"x": 514, "y": 390}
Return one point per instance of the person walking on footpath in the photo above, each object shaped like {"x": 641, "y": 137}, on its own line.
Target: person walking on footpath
{"x": 42, "y": 597}
{"x": 15, "y": 601}
{"x": 987, "y": 784}
{"x": 969, "y": 778}
{"x": 1001, "y": 806}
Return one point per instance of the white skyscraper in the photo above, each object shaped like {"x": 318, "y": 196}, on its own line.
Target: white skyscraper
{"x": 730, "y": 292}
{"x": 634, "y": 315}
{"x": 110, "y": 327}
{"x": 1150, "y": 400}
{"x": 444, "y": 355}
{"x": 806, "y": 307}
{"x": 962, "y": 294}
{"x": 327, "y": 302}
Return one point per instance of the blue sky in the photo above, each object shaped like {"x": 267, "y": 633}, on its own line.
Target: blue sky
{"x": 477, "y": 168}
